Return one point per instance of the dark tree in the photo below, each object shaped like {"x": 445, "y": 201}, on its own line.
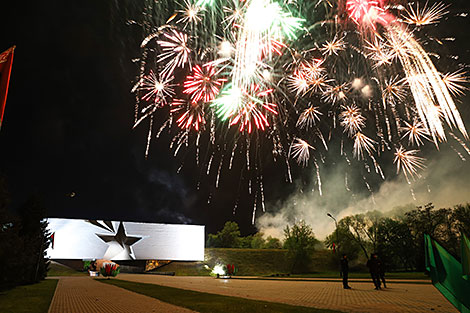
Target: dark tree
{"x": 228, "y": 237}
{"x": 300, "y": 241}
{"x": 345, "y": 242}
{"x": 272, "y": 243}
{"x": 422, "y": 221}
{"x": 35, "y": 237}
{"x": 461, "y": 217}
{"x": 10, "y": 243}
{"x": 396, "y": 246}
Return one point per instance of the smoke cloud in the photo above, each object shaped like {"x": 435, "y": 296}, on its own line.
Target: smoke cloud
{"x": 444, "y": 183}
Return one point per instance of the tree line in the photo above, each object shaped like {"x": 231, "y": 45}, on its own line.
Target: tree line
{"x": 23, "y": 241}
{"x": 399, "y": 238}
{"x": 230, "y": 237}
{"x": 299, "y": 241}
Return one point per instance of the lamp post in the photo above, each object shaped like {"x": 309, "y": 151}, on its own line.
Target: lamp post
{"x": 336, "y": 225}
{"x": 336, "y": 232}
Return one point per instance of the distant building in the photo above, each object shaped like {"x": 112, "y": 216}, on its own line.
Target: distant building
{"x": 113, "y": 240}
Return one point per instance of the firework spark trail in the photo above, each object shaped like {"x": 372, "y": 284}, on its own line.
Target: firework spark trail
{"x": 427, "y": 86}
{"x": 458, "y": 153}
{"x": 318, "y": 177}
{"x": 460, "y": 141}
{"x": 346, "y": 184}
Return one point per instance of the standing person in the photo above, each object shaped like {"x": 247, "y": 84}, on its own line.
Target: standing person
{"x": 373, "y": 265}
{"x": 345, "y": 271}
{"x": 382, "y": 272}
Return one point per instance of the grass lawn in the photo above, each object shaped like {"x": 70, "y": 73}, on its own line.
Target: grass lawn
{"x": 34, "y": 298}
{"x": 208, "y": 302}
{"x": 392, "y": 275}
{"x": 56, "y": 269}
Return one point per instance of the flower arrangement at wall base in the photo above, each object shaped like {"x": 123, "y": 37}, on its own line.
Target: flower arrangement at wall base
{"x": 110, "y": 269}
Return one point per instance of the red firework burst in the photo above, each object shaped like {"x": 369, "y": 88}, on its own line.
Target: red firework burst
{"x": 254, "y": 110}
{"x": 365, "y": 11}
{"x": 203, "y": 84}
{"x": 192, "y": 113}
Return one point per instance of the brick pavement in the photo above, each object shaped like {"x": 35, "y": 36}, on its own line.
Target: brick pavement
{"x": 329, "y": 295}
{"x": 85, "y": 295}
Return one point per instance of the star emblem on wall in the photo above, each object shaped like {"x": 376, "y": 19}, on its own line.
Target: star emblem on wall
{"x": 119, "y": 243}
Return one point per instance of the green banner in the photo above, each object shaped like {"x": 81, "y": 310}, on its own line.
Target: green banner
{"x": 447, "y": 273}
{"x": 465, "y": 251}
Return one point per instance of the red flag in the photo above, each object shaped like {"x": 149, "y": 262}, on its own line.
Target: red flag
{"x": 6, "y": 61}
{"x": 52, "y": 240}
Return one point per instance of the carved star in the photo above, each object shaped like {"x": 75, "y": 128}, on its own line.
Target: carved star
{"x": 122, "y": 239}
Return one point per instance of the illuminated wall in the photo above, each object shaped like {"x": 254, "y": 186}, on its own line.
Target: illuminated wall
{"x": 112, "y": 240}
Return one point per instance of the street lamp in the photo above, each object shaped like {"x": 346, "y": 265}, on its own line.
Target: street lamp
{"x": 336, "y": 224}
{"x": 336, "y": 232}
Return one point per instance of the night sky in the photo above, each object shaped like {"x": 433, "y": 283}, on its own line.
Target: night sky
{"x": 69, "y": 116}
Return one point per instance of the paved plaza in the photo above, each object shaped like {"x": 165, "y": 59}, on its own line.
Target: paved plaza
{"x": 85, "y": 295}
{"x": 399, "y": 297}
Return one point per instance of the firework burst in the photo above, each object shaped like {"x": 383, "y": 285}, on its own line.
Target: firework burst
{"x": 275, "y": 72}
{"x": 455, "y": 82}
{"x": 308, "y": 117}
{"x": 176, "y": 52}
{"x": 408, "y": 162}
{"x": 415, "y": 132}
{"x": 363, "y": 143}
{"x": 426, "y": 15}
{"x": 203, "y": 85}
{"x": 352, "y": 120}
{"x": 157, "y": 89}
{"x": 300, "y": 151}
{"x": 189, "y": 114}
{"x": 366, "y": 12}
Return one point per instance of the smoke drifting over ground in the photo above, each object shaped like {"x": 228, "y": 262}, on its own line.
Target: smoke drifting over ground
{"x": 444, "y": 183}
